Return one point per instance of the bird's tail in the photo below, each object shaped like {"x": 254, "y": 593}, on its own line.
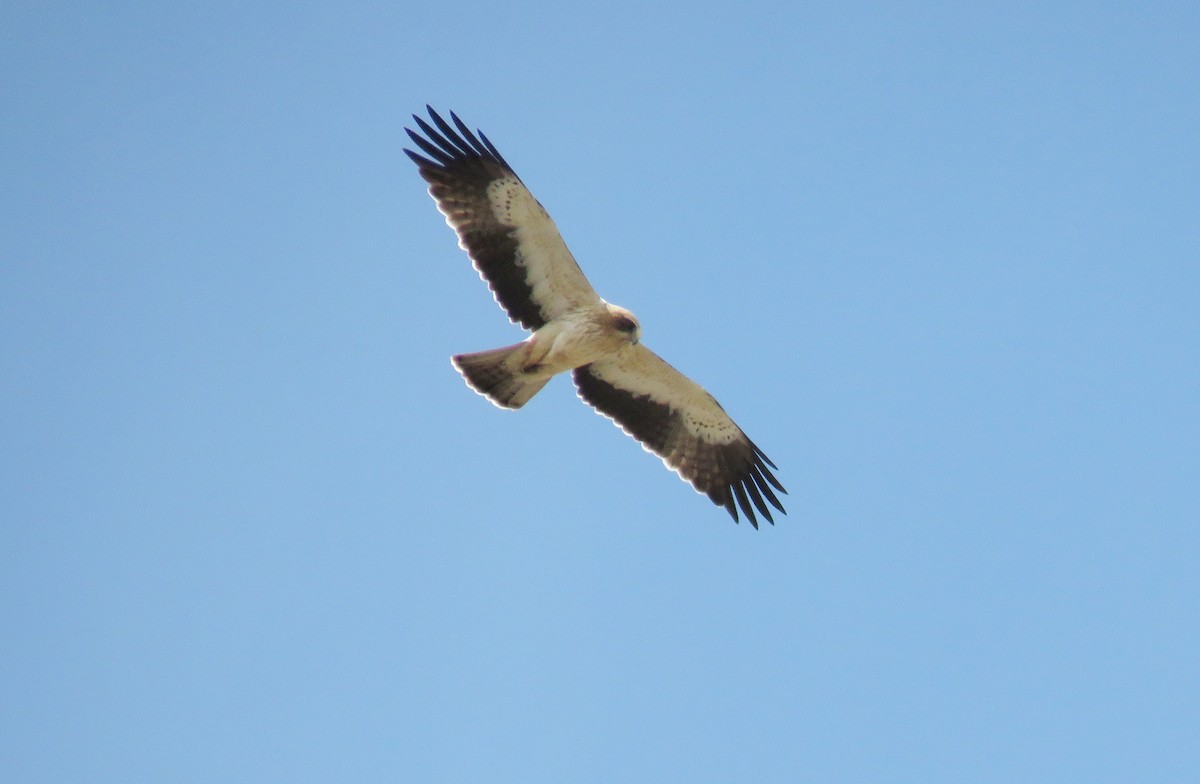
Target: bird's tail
{"x": 502, "y": 375}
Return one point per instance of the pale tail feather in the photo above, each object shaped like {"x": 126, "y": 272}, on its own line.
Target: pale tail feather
{"x": 499, "y": 375}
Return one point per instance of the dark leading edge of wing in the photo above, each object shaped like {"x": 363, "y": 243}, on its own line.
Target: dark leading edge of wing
{"x": 459, "y": 167}
{"x": 732, "y": 475}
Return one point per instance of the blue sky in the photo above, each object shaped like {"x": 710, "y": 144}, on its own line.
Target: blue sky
{"x": 941, "y": 262}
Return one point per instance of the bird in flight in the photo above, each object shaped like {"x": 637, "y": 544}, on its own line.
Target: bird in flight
{"x": 519, "y": 253}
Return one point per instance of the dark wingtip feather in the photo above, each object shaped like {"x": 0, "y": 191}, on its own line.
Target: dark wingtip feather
{"x": 757, "y": 498}
{"x": 771, "y": 478}
{"x": 455, "y": 138}
{"x": 464, "y": 130}
{"x": 744, "y": 503}
{"x": 763, "y": 455}
{"x": 765, "y": 487}
{"x": 730, "y": 506}
{"x": 491, "y": 148}
{"x": 417, "y": 159}
{"x": 449, "y": 149}
{"x": 432, "y": 150}
{"x": 473, "y": 138}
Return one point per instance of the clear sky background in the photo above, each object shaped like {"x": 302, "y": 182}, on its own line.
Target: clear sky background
{"x": 941, "y": 261}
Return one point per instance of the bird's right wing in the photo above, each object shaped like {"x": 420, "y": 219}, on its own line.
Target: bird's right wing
{"x": 502, "y": 227}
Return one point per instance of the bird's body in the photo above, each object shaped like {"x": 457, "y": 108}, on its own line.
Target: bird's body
{"x": 520, "y": 254}
{"x": 577, "y": 337}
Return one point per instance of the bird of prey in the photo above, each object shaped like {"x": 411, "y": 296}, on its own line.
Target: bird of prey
{"x": 518, "y": 252}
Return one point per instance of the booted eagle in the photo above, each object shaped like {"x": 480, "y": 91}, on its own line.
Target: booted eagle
{"x": 520, "y": 255}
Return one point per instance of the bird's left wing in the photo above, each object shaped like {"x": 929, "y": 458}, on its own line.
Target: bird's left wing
{"x": 676, "y": 419}
{"x": 509, "y": 236}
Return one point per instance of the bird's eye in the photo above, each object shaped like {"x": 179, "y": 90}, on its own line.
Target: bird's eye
{"x": 625, "y": 325}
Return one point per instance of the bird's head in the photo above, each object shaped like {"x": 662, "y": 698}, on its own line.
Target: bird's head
{"x": 625, "y": 323}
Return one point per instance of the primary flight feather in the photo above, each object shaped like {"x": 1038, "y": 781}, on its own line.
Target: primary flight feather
{"x": 519, "y": 253}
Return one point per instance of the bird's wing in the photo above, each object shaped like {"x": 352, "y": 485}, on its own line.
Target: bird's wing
{"x": 676, "y": 419}
{"x": 502, "y": 227}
